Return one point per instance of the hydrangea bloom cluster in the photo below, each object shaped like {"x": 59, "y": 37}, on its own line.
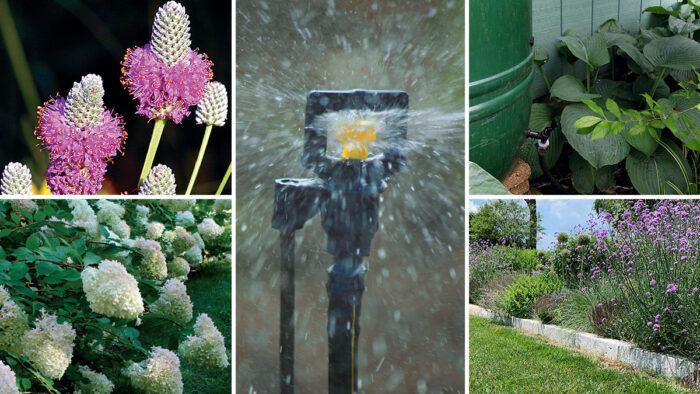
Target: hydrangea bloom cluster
{"x": 194, "y": 255}
{"x": 154, "y": 230}
{"x": 112, "y": 291}
{"x": 122, "y": 229}
{"x": 49, "y": 345}
{"x": 8, "y": 381}
{"x": 16, "y": 180}
{"x": 109, "y": 213}
{"x": 159, "y": 374}
{"x": 153, "y": 265}
{"x": 97, "y": 383}
{"x": 178, "y": 268}
{"x": 213, "y": 108}
{"x": 173, "y": 303}
{"x": 84, "y": 217}
{"x": 160, "y": 181}
{"x": 166, "y": 76}
{"x": 178, "y": 205}
{"x": 13, "y": 323}
{"x": 81, "y": 136}
{"x": 142, "y": 213}
{"x": 222, "y": 205}
{"x": 206, "y": 348}
{"x": 183, "y": 240}
{"x": 209, "y": 229}
{"x": 184, "y": 219}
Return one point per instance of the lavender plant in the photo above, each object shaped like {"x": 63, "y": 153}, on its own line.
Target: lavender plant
{"x": 82, "y": 306}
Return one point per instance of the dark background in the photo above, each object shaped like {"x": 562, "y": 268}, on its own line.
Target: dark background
{"x": 66, "y": 39}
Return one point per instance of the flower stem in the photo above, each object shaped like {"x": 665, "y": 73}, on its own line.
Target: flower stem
{"x": 152, "y": 148}
{"x": 225, "y": 180}
{"x": 198, "y": 163}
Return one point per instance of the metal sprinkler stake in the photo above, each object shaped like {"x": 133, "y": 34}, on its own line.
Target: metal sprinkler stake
{"x": 346, "y": 193}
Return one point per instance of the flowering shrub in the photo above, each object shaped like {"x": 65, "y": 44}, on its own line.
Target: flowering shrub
{"x": 82, "y": 290}
{"x": 651, "y": 277}
{"x": 574, "y": 257}
{"x": 485, "y": 262}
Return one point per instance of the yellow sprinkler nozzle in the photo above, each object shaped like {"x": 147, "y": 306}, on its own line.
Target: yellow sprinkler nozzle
{"x": 355, "y": 137}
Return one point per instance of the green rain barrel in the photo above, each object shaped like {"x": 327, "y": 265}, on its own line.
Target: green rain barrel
{"x": 500, "y": 75}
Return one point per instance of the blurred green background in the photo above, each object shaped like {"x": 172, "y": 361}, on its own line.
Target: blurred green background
{"x": 62, "y": 40}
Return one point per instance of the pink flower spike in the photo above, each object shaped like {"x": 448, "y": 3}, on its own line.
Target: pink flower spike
{"x": 166, "y": 76}
{"x": 81, "y": 137}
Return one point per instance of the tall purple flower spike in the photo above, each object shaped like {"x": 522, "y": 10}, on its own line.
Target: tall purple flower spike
{"x": 81, "y": 136}
{"x": 166, "y": 76}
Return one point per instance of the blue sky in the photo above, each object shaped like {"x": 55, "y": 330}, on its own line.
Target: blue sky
{"x": 557, "y": 216}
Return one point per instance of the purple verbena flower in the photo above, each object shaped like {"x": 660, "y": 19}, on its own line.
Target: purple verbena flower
{"x": 166, "y": 76}
{"x": 81, "y": 137}
{"x": 671, "y": 288}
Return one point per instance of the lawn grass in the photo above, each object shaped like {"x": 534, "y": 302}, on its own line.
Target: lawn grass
{"x": 210, "y": 292}
{"x": 502, "y": 360}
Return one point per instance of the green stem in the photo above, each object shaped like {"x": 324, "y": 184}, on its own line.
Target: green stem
{"x": 152, "y": 148}
{"x": 544, "y": 78}
{"x": 657, "y": 81}
{"x": 588, "y": 79}
{"x": 200, "y": 156}
{"x": 225, "y": 180}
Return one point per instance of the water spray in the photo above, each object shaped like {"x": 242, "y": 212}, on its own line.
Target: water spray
{"x": 346, "y": 194}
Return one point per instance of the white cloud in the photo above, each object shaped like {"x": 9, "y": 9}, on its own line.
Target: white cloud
{"x": 473, "y": 207}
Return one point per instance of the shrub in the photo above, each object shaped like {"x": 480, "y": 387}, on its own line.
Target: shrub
{"x": 485, "y": 262}
{"x": 492, "y": 291}
{"x": 78, "y": 301}
{"x": 518, "y": 298}
{"x": 521, "y": 259}
{"x": 545, "y": 306}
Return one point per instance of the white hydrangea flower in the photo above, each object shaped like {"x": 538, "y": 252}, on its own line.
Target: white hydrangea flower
{"x": 84, "y": 217}
{"x": 178, "y": 268}
{"x": 154, "y": 265}
{"x": 174, "y": 303}
{"x": 49, "y": 345}
{"x": 222, "y": 204}
{"x": 112, "y": 291}
{"x": 209, "y": 229}
{"x": 13, "y": 323}
{"x": 122, "y": 229}
{"x": 206, "y": 348}
{"x": 97, "y": 383}
{"x": 8, "y": 380}
{"x": 200, "y": 241}
{"x": 27, "y": 205}
{"x": 179, "y": 205}
{"x": 183, "y": 240}
{"x": 159, "y": 374}
{"x": 109, "y": 213}
{"x": 194, "y": 255}
{"x": 184, "y": 219}
{"x": 154, "y": 230}
{"x": 142, "y": 213}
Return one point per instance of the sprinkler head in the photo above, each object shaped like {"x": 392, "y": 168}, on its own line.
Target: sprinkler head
{"x": 362, "y": 125}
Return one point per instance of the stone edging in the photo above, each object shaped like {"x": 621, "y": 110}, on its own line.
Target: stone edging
{"x": 669, "y": 366}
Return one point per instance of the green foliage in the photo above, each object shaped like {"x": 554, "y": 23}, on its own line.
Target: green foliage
{"x": 482, "y": 183}
{"x": 574, "y": 257}
{"x": 45, "y": 248}
{"x": 501, "y": 221}
{"x": 518, "y": 298}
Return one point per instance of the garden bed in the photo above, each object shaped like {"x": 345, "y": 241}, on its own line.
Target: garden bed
{"x": 627, "y": 353}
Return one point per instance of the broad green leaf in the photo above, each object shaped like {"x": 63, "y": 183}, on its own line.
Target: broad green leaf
{"x": 593, "y": 106}
{"x": 640, "y": 139}
{"x": 644, "y": 84}
{"x": 481, "y": 182}
{"x": 677, "y": 52}
{"x": 569, "y": 88}
{"x": 681, "y": 26}
{"x": 660, "y": 173}
{"x": 605, "y": 178}
{"x": 631, "y": 50}
{"x": 587, "y": 121}
{"x": 687, "y": 128}
{"x": 540, "y": 55}
{"x": 18, "y": 270}
{"x": 582, "y": 174}
{"x": 659, "y": 10}
{"x": 612, "y": 107}
{"x": 45, "y": 269}
{"x": 608, "y": 151}
{"x": 607, "y": 88}
{"x": 591, "y": 50}
{"x": 600, "y": 131}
